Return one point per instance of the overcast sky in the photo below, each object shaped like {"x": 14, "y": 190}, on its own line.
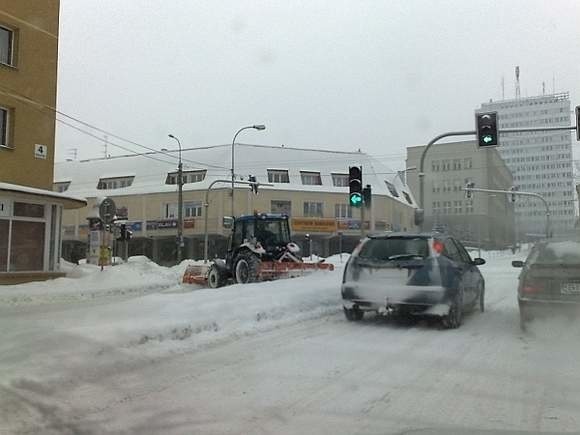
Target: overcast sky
{"x": 334, "y": 74}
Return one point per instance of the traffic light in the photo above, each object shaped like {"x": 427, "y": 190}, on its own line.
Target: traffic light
{"x": 128, "y": 235}
{"x": 513, "y": 195}
{"x": 254, "y": 187}
{"x": 355, "y": 198}
{"x": 486, "y": 129}
{"x": 577, "y": 122}
{"x": 122, "y": 233}
{"x": 468, "y": 193}
{"x": 367, "y": 195}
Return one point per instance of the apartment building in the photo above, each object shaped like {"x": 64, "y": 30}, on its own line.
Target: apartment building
{"x": 541, "y": 162}
{"x": 310, "y": 186}
{"x": 30, "y": 212}
{"x": 486, "y": 220}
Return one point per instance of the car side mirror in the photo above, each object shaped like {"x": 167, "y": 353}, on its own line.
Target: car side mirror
{"x": 478, "y": 262}
{"x": 518, "y": 263}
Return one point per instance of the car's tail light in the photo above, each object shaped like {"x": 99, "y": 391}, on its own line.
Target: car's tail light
{"x": 531, "y": 289}
{"x": 438, "y": 246}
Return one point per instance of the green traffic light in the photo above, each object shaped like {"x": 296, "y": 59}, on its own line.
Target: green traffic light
{"x": 356, "y": 199}
{"x": 488, "y": 138}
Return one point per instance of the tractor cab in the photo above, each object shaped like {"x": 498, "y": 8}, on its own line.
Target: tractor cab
{"x": 267, "y": 234}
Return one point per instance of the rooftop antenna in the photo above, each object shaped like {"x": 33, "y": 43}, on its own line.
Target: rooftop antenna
{"x": 553, "y": 83}
{"x": 518, "y": 94}
{"x": 543, "y": 88}
{"x": 502, "y": 87}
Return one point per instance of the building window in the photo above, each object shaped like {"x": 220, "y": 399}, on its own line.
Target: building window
{"x": 435, "y": 165}
{"x": 192, "y": 209}
{"x": 27, "y": 246}
{"x": 186, "y": 177}
{"x": 281, "y": 207}
{"x": 313, "y": 209}
{"x": 407, "y": 197}
{"x": 278, "y": 176}
{"x": 446, "y": 165}
{"x": 458, "y": 207}
{"x": 6, "y": 46}
{"x": 61, "y": 186}
{"x": 456, "y": 164}
{"x": 469, "y": 206}
{"x": 311, "y": 178}
{"x": 468, "y": 163}
{"x": 115, "y": 183}
{"x": 340, "y": 180}
{"x": 436, "y": 205}
{"x": 4, "y": 120}
{"x": 392, "y": 189}
{"x": 446, "y": 207}
{"x": 4, "y": 232}
{"x": 342, "y": 211}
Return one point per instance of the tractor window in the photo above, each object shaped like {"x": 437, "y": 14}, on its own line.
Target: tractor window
{"x": 237, "y": 235}
{"x": 273, "y": 233}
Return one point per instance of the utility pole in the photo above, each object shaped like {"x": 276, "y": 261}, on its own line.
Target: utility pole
{"x": 179, "y": 204}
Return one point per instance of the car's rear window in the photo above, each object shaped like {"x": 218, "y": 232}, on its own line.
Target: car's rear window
{"x": 556, "y": 253}
{"x": 393, "y": 248}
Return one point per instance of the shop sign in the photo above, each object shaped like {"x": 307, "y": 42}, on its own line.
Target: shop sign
{"x": 68, "y": 230}
{"x": 161, "y": 224}
{"x": 313, "y": 225}
{"x": 189, "y": 223}
{"x": 352, "y": 224}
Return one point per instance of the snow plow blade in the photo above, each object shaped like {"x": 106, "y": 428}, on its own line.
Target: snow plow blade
{"x": 196, "y": 274}
{"x": 268, "y": 271}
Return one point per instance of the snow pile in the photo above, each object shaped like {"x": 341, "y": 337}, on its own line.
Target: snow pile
{"x": 204, "y": 316}
{"x": 87, "y": 282}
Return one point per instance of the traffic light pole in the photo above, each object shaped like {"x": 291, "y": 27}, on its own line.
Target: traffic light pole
{"x": 468, "y": 133}
{"x": 517, "y": 193}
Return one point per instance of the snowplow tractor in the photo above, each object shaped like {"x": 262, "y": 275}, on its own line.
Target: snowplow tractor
{"x": 259, "y": 249}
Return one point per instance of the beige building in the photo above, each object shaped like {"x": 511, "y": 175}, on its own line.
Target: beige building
{"x": 486, "y": 219}
{"x": 310, "y": 186}
{"x": 30, "y": 211}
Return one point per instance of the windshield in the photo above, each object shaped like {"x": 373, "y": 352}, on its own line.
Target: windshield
{"x": 394, "y": 248}
{"x": 567, "y": 253}
{"x": 272, "y": 233}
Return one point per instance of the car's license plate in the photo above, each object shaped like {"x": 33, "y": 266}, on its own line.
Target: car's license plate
{"x": 570, "y": 288}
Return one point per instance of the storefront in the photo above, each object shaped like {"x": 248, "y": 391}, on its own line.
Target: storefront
{"x": 30, "y": 232}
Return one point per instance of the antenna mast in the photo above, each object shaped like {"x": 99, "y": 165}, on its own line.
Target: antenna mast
{"x": 518, "y": 94}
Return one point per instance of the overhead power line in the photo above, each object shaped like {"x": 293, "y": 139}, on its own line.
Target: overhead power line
{"x": 21, "y": 97}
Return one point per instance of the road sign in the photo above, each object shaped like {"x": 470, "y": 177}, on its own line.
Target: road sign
{"x": 107, "y": 210}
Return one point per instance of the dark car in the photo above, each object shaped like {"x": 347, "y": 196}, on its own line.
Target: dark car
{"x": 549, "y": 282}
{"x": 417, "y": 274}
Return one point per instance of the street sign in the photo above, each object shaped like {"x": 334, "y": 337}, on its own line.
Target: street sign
{"x": 107, "y": 210}
{"x": 40, "y": 151}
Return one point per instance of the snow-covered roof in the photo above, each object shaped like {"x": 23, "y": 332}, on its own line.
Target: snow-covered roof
{"x": 70, "y": 201}
{"x": 151, "y": 169}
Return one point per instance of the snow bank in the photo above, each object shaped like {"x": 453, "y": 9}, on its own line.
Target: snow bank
{"x": 87, "y": 282}
{"x": 204, "y": 316}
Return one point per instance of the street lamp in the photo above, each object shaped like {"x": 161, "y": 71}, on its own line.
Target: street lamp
{"x": 255, "y": 127}
{"x": 179, "y": 203}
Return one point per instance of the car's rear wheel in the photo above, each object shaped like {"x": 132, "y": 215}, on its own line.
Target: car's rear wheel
{"x": 454, "y": 317}
{"x": 353, "y": 314}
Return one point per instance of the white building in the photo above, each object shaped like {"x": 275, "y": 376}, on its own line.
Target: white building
{"x": 540, "y": 162}
{"x": 308, "y": 185}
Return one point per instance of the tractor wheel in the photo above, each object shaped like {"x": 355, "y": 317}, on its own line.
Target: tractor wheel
{"x": 215, "y": 277}
{"x": 246, "y": 268}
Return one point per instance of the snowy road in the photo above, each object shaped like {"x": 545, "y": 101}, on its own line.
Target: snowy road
{"x": 315, "y": 373}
